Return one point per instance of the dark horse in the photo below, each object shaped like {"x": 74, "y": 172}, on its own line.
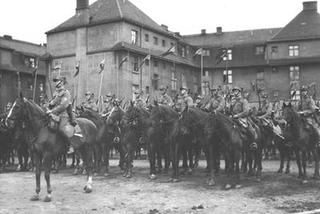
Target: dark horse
{"x": 163, "y": 132}
{"x": 224, "y": 137}
{"x": 49, "y": 143}
{"x": 304, "y": 140}
{"x": 192, "y": 123}
{"x": 134, "y": 125}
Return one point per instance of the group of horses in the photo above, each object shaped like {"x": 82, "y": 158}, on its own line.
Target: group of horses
{"x": 169, "y": 135}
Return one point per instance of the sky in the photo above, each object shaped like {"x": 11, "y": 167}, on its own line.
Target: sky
{"x": 28, "y": 20}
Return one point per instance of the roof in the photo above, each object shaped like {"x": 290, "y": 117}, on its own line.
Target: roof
{"x": 153, "y": 53}
{"x": 306, "y": 25}
{"x": 27, "y": 48}
{"x": 257, "y": 36}
{"x": 107, "y": 11}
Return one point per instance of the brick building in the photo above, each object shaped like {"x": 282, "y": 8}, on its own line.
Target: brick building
{"x": 18, "y": 60}
{"x": 116, "y": 30}
{"x": 276, "y": 60}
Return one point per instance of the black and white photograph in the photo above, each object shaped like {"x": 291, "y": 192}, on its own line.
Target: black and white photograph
{"x": 159, "y": 107}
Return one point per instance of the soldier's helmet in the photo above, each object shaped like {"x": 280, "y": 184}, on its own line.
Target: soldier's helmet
{"x": 304, "y": 88}
{"x": 236, "y": 88}
{"x": 162, "y": 88}
{"x": 60, "y": 81}
{"x": 183, "y": 88}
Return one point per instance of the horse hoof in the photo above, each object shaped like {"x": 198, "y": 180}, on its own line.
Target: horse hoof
{"x": 238, "y": 186}
{"x": 84, "y": 172}
{"x": 304, "y": 181}
{"x": 287, "y": 171}
{"x": 176, "y": 180}
{"x": 280, "y": 171}
{"x": 35, "y": 198}
{"x": 47, "y": 199}
{"x": 87, "y": 189}
{"x": 227, "y": 187}
{"x": 19, "y": 168}
{"x": 211, "y": 182}
{"x": 152, "y": 177}
{"x": 106, "y": 174}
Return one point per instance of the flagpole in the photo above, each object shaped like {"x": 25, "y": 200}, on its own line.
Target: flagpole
{"x": 100, "y": 87}
{"x": 35, "y": 81}
{"x": 201, "y": 75}
{"x": 117, "y": 70}
{"x": 140, "y": 70}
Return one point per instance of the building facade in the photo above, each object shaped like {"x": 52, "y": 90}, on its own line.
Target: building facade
{"x": 122, "y": 36}
{"x": 18, "y": 61}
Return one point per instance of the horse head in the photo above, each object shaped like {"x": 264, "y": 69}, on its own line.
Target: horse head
{"x": 289, "y": 113}
{"x": 17, "y": 113}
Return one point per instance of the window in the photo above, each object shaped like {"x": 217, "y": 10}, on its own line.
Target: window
{"x": 293, "y": 50}
{"x": 259, "y": 50}
{"x": 260, "y": 74}
{"x": 155, "y": 63}
{"x": 155, "y": 40}
{"x": 173, "y": 81}
{"x": 155, "y": 81}
{"x": 228, "y": 55}
{"x": 146, "y": 37}
{"x": 163, "y": 43}
{"x": 206, "y": 52}
{"x": 294, "y": 82}
{"x": 274, "y": 49}
{"x": 135, "y": 64}
{"x": 183, "y": 52}
{"x": 134, "y": 37}
{"x": 227, "y": 76}
{"x": 30, "y": 61}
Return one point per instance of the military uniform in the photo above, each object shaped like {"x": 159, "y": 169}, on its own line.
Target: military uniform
{"x": 216, "y": 103}
{"x": 307, "y": 107}
{"x": 90, "y": 104}
{"x": 58, "y": 107}
{"x": 165, "y": 99}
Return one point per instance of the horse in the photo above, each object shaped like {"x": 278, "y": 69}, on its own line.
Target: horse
{"x": 113, "y": 136}
{"x": 164, "y": 131}
{"x": 49, "y": 142}
{"x": 224, "y": 137}
{"x": 134, "y": 125}
{"x": 192, "y": 124}
{"x": 5, "y": 144}
{"x": 303, "y": 140}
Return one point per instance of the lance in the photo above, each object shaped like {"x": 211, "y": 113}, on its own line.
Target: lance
{"x": 35, "y": 80}
{"x": 102, "y": 63}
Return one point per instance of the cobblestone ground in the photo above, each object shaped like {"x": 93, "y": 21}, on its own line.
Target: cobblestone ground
{"x": 276, "y": 193}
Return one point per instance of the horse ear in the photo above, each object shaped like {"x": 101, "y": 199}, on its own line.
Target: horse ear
{"x": 131, "y": 103}
{"x": 21, "y": 95}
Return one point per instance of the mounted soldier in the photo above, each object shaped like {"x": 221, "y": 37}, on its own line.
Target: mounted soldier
{"x": 89, "y": 103}
{"x": 139, "y": 100}
{"x": 188, "y": 101}
{"x": 108, "y": 104}
{"x": 60, "y": 108}
{"x": 307, "y": 108}
{"x": 197, "y": 102}
{"x": 165, "y": 99}
{"x": 240, "y": 112}
{"x": 216, "y": 102}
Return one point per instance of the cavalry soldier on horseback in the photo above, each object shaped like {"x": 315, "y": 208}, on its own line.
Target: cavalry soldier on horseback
{"x": 198, "y": 100}
{"x": 138, "y": 99}
{"x": 60, "y": 106}
{"x": 240, "y": 112}
{"x": 108, "y": 104}
{"x": 186, "y": 97}
{"x": 216, "y": 102}
{"x": 90, "y": 103}
{"x": 165, "y": 99}
{"x": 307, "y": 108}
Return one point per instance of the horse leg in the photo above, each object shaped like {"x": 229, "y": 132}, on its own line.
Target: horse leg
{"x": 87, "y": 153}
{"x": 211, "y": 164}
{"x": 47, "y": 160}
{"x": 304, "y": 166}
{"x": 152, "y": 160}
{"x": 175, "y": 162}
{"x": 259, "y": 164}
{"x": 237, "y": 169}
{"x": 288, "y": 162}
{"x": 282, "y": 154}
{"x": 316, "y": 165}
{"x": 105, "y": 154}
{"x": 73, "y": 156}
{"x": 297, "y": 152}
{"x": 37, "y": 161}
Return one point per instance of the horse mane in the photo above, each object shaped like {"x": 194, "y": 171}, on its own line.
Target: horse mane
{"x": 35, "y": 108}
{"x": 168, "y": 111}
{"x": 195, "y": 114}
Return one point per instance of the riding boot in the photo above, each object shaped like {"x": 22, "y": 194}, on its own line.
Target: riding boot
{"x": 71, "y": 117}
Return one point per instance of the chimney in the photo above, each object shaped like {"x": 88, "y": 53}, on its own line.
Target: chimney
{"x": 7, "y": 37}
{"x": 310, "y": 5}
{"x": 82, "y": 4}
{"x": 165, "y": 27}
{"x": 82, "y": 11}
{"x": 203, "y": 32}
{"x": 219, "y": 30}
